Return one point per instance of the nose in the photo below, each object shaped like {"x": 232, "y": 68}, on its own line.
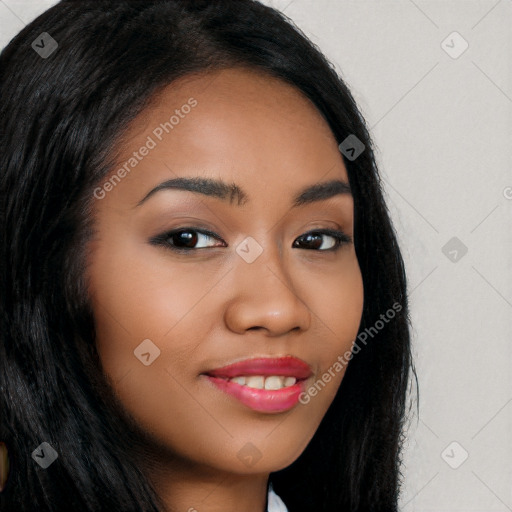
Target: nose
{"x": 267, "y": 297}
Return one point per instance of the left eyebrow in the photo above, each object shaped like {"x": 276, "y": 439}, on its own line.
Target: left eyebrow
{"x": 228, "y": 191}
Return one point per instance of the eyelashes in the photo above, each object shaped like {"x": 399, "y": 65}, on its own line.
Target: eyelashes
{"x": 185, "y": 240}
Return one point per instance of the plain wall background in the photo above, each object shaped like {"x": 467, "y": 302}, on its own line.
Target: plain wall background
{"x": 443, "y": 129}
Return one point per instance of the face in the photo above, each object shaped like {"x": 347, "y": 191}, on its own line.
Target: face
{"x": 185, "y": 281}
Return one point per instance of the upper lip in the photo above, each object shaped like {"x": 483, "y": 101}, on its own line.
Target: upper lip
{"x": 287, "y": 366}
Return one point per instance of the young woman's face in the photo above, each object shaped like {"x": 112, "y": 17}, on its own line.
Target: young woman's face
{"x": 260, "y": 285}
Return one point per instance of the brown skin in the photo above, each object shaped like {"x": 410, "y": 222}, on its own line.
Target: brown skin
{"x": 209, "y": 307}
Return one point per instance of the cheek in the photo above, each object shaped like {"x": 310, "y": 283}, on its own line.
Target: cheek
{"x": 338, "y": 307}
{"x": 135, "y": 297}
{"x": 338, "y": 303}
{"x": 142, "y": 306}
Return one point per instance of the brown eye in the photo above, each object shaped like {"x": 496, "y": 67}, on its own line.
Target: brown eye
{"x": 187, "y": 239}
{"x": 315, "y": 240}
{"x": 184, "y": 239}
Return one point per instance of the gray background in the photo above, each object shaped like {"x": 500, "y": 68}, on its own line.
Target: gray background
{"x": 442, "y": 127}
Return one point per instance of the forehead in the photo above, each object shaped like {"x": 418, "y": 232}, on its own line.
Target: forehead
{"x": 237, "y": 124}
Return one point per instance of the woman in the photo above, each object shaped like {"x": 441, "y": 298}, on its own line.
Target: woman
{"x": 204, "y": 301}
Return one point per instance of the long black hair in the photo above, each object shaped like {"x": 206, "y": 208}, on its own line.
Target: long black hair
{"x": 60, "y": 117}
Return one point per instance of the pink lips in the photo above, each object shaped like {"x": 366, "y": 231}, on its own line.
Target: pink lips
{"x": 263, "y": 400}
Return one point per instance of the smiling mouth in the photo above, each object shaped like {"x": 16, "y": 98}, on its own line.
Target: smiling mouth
{"x": 263, "y": 384}
{"x": 260, "y": 400}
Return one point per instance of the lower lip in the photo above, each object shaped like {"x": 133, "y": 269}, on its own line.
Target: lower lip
{"x": 261, "y": 400}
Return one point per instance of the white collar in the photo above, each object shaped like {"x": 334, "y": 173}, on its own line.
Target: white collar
{"x": 275, "y": 503}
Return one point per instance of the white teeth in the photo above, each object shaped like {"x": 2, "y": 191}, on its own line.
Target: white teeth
{"x": 289, "y": 381}
{"x": 255, "y": 382}
{"x": 272, "y": 382}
